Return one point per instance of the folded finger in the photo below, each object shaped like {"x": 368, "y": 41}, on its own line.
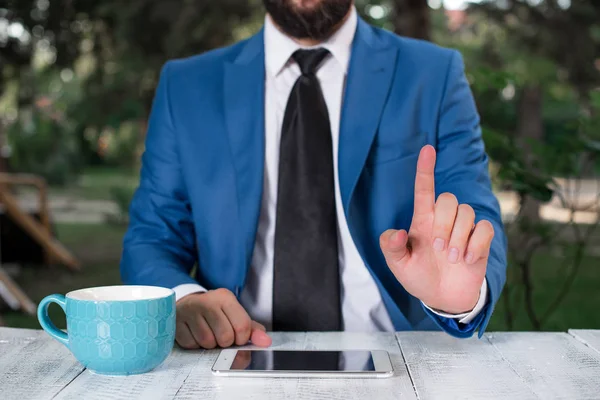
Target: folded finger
{"x": 240, "y": 321}
{"x": 184, "y": 337}
{"x": 202, "y": 333}
{"x": 394, "y": 245}
{"x": 220, "y": 326}
{"x": 463, "y": 225}
{"x": 480, "y": 242}
{"x": 446, "y": 209}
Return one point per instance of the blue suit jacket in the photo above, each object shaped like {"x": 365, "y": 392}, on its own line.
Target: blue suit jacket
{"x": 202, "y": 171}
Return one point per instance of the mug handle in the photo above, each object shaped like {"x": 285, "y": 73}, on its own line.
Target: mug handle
{"x": 44, "y": 318}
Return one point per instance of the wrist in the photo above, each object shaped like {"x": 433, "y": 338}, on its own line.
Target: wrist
{"x": 458, "y": 308}
{"x": 459, "y": 311}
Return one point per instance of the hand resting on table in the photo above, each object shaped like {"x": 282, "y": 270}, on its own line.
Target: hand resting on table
{"x": 216, "y": 318}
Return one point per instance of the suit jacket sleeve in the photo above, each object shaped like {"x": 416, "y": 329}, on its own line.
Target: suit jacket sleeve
{"x": 159, "y": 248}
{"x": 462, "y": 169}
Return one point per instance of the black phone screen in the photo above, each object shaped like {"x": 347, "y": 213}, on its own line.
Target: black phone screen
{"x": 288, "y": 360}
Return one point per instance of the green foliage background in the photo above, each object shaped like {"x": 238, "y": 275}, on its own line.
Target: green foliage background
{"x": 77, "y": 79}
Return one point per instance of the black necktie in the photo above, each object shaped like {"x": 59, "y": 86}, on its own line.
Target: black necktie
{"x": 306, "y": 282}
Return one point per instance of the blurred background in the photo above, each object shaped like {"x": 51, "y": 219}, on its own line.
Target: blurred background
{"x": 77, "y": 79}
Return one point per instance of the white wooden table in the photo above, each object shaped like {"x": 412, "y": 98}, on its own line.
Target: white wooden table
{"x": 428, "y": 365}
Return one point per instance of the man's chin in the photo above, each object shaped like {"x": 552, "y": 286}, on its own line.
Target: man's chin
{"x": 308, "y": 19}
{"x": 305, "y": 5}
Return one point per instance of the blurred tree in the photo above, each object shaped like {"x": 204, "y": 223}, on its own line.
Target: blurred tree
{"x": 126, "y": 44}
{"x": 540, "y": 37}
{"x": 114, "y": 48}
{"x": 556, "y": 30}
{"x": 129, "y": 42}
{"x": 564, "y": 31}
{"x": 42, "y": 137}
{"x": 25, "y": 27}
{"x": 37, "y": 24}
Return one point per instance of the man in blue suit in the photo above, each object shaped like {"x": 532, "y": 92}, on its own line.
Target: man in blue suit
{"x": 322, "y": 175}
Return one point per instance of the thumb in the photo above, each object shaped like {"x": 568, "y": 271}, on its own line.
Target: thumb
{"x": 394, "y": 246}
{"x": 259, "y": 335}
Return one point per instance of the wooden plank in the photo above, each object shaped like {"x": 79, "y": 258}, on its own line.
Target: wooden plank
{"x": 11, "y": 336}
{"x": 554, "y": 365}
{"x": 588, "y": 336}
{"x": 162, "y": 383}
{"x": 31, "y": 180}
{"x": 8, "y": 297}
{"x": 202, "y": 384}
{"x": 502, "y": 365}
{"x": 9, "y": 333}
{"x": 22, "y": 179}
{"x": 38, "y": 232}
{"x": 42, "y": 187}
{"x": 25, "y": 303}
{"x": 12, "y": 341}
{"x": 443, "y": 367}
{"x": 45, "y": 217}
{"x": 397, "y": 387}
{"x": 33, "y": 365}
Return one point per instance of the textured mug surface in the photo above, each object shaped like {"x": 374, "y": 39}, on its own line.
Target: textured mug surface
{"x": 116, "y": 330}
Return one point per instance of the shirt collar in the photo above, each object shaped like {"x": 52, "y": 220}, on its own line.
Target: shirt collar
{"x": 279, "y": 47}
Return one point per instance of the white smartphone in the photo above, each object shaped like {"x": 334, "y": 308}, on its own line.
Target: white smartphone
{"x": 304, "y": 363}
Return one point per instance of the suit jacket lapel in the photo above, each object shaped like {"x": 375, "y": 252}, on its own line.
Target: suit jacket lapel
{"x": 369, "y": 80}
{"x": 370, "y": 77}
{"x": 244, "y": 117}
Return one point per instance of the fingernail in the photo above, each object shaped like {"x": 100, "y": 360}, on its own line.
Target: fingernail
{"x": 469, "y": 257}
{"x": 453, "y": 255}
{"x": 438, "y": 244}
{"x": 394, "y": 236}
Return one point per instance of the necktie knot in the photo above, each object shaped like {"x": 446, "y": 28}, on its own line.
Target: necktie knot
{"x": 310, "y": 60}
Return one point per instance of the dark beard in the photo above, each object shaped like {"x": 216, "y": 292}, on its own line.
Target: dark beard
{"x": 318, "y": 23}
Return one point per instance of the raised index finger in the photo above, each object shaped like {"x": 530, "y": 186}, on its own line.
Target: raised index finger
{"x": 425, "y": 182}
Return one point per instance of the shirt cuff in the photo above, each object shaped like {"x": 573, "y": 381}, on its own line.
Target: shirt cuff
{"x": 188, "y": 288}
{"x": 464, "y": 318}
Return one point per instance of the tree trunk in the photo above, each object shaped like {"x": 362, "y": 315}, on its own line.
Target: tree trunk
{"x": 411, "y": 18}
{"x": 530, "y": 128}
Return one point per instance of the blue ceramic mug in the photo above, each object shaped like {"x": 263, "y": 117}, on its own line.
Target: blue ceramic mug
{"x": 115, "y": 330}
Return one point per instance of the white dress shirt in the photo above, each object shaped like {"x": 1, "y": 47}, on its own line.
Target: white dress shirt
{"x": 362, "y": 307}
